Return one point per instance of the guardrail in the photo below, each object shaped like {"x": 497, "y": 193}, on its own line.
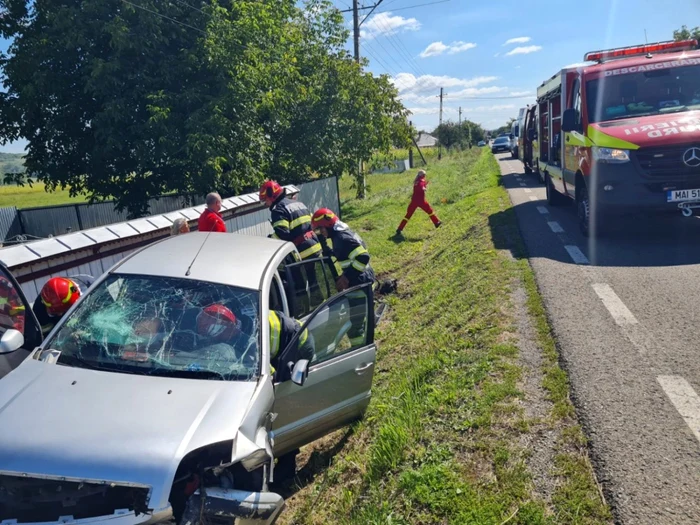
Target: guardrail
{"x": 95, "y": 250}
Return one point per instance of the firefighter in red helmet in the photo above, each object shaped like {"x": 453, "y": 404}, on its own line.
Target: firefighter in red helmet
{"x": 291, "y": 219}
{"x": 56, "y": 298}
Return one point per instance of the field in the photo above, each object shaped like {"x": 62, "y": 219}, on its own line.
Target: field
{"x": 448, "y": 437}
{"x": 36, "y": 195}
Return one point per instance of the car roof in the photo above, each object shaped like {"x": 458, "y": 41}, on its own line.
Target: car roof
{"x": 227, "y": 258}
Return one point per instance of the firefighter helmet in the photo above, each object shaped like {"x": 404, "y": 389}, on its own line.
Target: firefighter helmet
{"x": 217, "y": 322}
{"x": 270, "y": 192}
{"x": 59, "y": 294}
{"x": 324, "y": 218}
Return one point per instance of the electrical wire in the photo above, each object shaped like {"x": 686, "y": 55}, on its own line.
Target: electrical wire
{"x": 182, "y": 2}
{"x": 164, "y": 17}
{"x": 391, "y": 37}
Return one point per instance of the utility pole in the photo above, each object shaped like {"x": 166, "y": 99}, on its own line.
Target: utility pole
{"x": 356, "y": 29}
{"x": 440, "y": 124}
{"x": 460, "y": 116}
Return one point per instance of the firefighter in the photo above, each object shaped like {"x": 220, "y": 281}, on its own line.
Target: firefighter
{"x": 56, "y": 298}
{"x": 11, "y": 307}
{"x": 291, "y": 219}
{"x": 418, "y": 200}
{"x": 353, "y": 268}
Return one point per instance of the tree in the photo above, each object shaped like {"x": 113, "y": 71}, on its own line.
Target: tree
{"x": 686, "y": 34}
{"x": 451, "y": 134}
{"x": 126, "y": 102}
{"x": 504, "y": 129}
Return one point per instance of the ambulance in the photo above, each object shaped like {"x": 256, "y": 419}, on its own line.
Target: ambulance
{"x": 619, "y": 133}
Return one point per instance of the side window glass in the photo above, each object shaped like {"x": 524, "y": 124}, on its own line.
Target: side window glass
{"x": 276, "y": 297}
{"x": 309, "y": 284}
{"x": 576, "y": 101}
{"x": 12, "y": 308}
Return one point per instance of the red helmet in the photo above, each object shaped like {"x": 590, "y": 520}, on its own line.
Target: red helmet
{"x": 59, "y": 294}
{"x": 217, "y": 322}
{"x": 270, "y": 192}
{"x": 323, "y": 218}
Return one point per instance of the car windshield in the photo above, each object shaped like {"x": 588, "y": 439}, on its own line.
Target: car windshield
{"x": 501, "y": 140}
{"x": 164, "y": 327}
{"x": 630, "y": 93}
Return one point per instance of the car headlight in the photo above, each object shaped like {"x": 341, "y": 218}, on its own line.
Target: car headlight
{"x": 610, "y": 155}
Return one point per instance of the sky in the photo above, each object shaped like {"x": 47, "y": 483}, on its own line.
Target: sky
{"x": 489, "y": 57}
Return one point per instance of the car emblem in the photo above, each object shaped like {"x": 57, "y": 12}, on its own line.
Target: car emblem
{"x": 691, "y": 157}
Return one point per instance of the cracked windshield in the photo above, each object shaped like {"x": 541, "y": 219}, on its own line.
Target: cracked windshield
{"x": 349, "y": 262}
{"x": 164, "y": 327}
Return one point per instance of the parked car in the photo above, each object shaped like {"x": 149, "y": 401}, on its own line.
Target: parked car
{"x": 137, "y": 408}
{"x": 501, "y": 144}
{"x": 481, "y": 144}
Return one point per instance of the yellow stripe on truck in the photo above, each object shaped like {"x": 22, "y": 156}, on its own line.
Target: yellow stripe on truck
{"x": 603, "y": 140}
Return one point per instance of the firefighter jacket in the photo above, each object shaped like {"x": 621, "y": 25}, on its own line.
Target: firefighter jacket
{"x": 351, "y": 254}
{"x": 211, "y": 221}
{"x": 282, "y": 330}
{"x": 291, "y": 221}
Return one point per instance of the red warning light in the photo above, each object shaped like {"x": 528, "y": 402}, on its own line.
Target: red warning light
{"x": 622, "y": 52}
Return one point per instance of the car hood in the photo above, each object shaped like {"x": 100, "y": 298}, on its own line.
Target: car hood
{"x": 648, "y": 131}
{"x": 94, "y": 425}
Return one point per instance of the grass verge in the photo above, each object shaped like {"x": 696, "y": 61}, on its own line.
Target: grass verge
{"x": 440, "y": 441}
{"x": 35, "y": 195}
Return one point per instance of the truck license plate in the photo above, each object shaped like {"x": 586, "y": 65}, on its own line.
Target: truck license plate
{"x": 682, "y": 195}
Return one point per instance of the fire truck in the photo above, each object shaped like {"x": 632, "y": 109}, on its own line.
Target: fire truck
{"x": 620, "y": 133}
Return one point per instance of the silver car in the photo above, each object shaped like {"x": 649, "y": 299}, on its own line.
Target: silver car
{"x": 139, "y": 408}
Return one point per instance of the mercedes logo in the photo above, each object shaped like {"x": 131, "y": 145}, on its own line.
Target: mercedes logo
{"x": 691, "y": 157}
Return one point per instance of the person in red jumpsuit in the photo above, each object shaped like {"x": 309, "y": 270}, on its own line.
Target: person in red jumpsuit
{"x": 418, "y": 201}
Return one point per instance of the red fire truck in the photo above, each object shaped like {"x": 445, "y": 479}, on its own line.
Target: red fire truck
{"x": 620, "y": 135}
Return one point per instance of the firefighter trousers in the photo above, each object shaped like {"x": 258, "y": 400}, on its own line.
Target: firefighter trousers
{"x": 411, "y": 210}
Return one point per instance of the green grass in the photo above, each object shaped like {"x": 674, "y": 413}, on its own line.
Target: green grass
{"x": 439, "y": 443}
{"x": 35, "y": 195}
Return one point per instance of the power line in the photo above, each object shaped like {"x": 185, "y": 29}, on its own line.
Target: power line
{"x": 191, "y": 7}
{"x": 391, "y": 37}
{"x": 394, "y": 10}
{"x": 165, "y": 17}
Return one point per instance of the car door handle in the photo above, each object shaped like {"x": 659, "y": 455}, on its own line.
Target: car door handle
{"x": 363, "y": 368}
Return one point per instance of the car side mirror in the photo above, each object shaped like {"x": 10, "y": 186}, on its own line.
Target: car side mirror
{"x": 569, "y": 120}
{"x": 300, "y": 372}
{"x": 10, "y": 341}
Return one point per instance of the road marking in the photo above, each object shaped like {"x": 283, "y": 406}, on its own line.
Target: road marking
{"x": 523, "y": 184}
{"x": 528, "y": 190}
{"x": 542, "y": 210}
{"x": 614, "y": 304}
{"x": 576, "y": 254}
{"x": 533, "y": 198}
{"x": 684, "y": 398}
{"x": 555, "y": 227}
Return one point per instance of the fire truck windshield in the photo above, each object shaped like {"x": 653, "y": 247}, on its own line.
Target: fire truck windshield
{"x": 628, "y": 92}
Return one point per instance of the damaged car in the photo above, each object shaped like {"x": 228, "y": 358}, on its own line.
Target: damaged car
{"x": 155, "y": 399}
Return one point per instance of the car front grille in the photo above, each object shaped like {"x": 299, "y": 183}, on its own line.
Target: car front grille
{"x": 30, "y": 500}
{"x": 667, "y": 163}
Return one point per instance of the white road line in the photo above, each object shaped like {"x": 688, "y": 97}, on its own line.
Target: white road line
{"x": 684, "y": 398}
{"x": 555, "y": 227}
{"x": 542, "y": 210}
{"x": 528, "y": 190}
{"x": 523, "y": 184}
{"x": 614, "y": 304}
{"x": 576, "y": 254}
{"x": 533, "y": 198}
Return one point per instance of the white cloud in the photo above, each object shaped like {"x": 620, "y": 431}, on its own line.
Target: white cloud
{"x": 438, "y": 48}
{"x": 521, "y": 93}
{"x": 517, "y": 40}
{"x": 496, "y": 55}
{"x": 523, "y": 50}
{"x": 386, "y": 24}
{"x": 409, "y": 82}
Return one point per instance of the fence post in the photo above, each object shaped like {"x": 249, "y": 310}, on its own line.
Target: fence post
{"x": 80, "y": 219}
{"x": 21, "y": 224}
{"x": 410, "y": 158}
{"x": 337, "y": 191}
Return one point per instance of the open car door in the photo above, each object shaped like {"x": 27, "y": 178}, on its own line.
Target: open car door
{"x": 338, "y": 387}
{"x": 15, "y": 314}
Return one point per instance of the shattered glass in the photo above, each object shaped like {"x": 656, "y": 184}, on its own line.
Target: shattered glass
{"x": 149, "y": 325}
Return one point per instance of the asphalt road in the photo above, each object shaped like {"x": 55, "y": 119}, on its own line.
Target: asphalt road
{"x": 625, "y": 310}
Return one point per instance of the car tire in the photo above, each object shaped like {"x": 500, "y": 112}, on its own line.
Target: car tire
{"x": 554, "y": 198}
{"x": 588, "y": 224}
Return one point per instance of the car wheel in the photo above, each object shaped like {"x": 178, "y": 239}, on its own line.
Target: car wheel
{"x": 554, "y": 198}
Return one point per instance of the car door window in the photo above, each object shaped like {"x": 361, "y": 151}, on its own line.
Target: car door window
{"x": 339, "y": 326}
{"x": 15, "y": 312}
{"x": 276, "y": 297}
{"x": 308, "y": 284}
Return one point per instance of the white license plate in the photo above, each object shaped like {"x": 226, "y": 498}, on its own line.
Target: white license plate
{"x": 682, "y": 195}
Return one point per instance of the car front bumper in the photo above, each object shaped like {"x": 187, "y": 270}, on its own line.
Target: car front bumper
{"x": 625, "y": 188}
{"x": 496, "y": 149}
{"x": 246, "y": 507}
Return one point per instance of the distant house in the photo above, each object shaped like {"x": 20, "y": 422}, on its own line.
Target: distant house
{"x": 425, "y": 140}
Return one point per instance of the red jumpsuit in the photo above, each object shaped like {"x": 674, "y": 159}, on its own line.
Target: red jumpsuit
{"x": 418, "y": 201}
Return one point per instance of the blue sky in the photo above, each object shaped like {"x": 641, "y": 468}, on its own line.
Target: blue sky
{"x": 461, "y": 46}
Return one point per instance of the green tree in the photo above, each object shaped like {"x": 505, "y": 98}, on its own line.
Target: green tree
{"x": 125, "y": 102}
{"x": 686, "y": 34}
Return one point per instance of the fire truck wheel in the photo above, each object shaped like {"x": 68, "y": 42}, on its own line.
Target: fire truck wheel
{"x": 583, "y": 210}
{"x": 554, "y": 198}
{"x": 528, "y": 169}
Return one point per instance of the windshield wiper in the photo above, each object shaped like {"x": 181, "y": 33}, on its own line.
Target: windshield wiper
{"x": 78, "y": 362}
{"x": 187, "y": 374}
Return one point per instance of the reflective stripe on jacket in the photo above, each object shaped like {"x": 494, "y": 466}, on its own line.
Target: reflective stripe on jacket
{"x": 291, "y": 221}
{"x": 351, "y": 254}
{"x": 282, "y": 330}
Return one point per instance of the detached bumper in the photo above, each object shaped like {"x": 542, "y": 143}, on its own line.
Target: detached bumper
{"x": 246, "y": 507}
